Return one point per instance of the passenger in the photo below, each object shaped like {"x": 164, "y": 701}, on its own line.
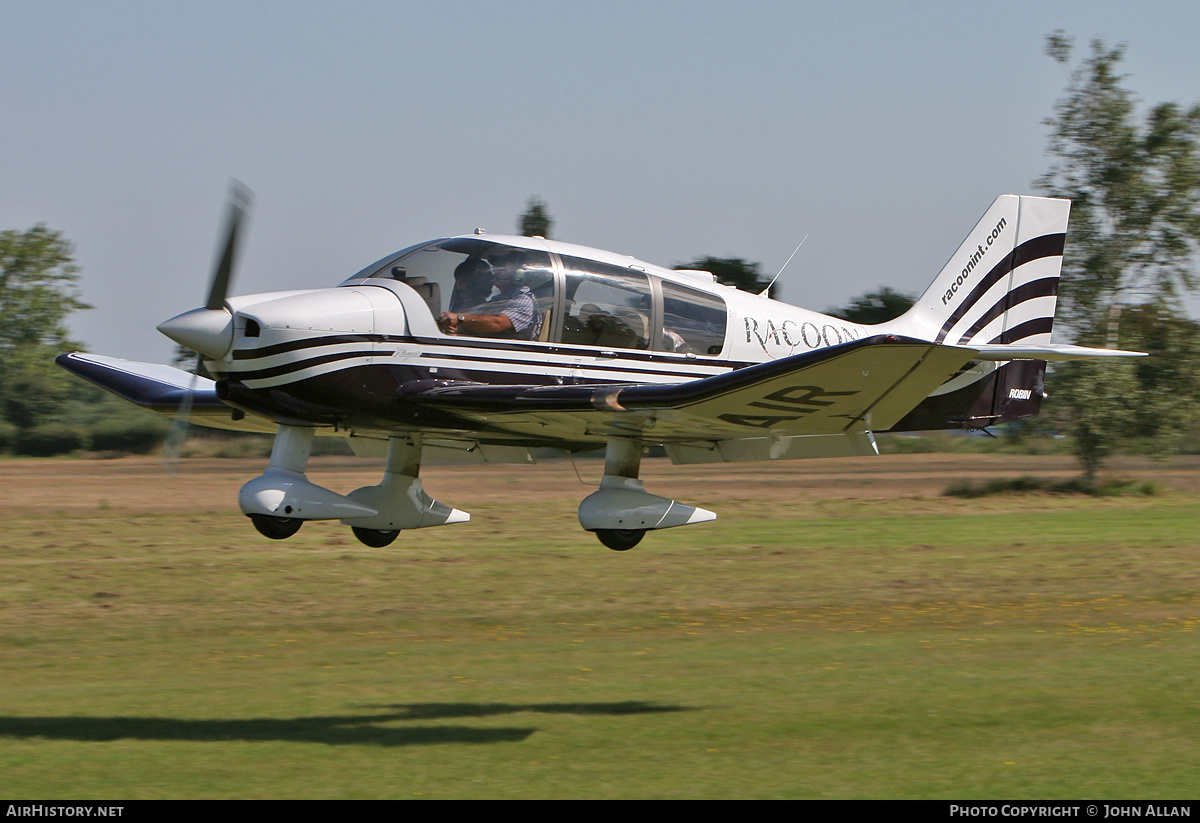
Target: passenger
{"x": 513, "y": 312}
{"x": 601, "y": 328}
{"x": 592, "y": 319}
{"x": 673, "y": 341}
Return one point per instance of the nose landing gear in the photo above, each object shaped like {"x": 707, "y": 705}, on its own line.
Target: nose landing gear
{"x": 280, "y": 499}
{"x": 276, "y": 528}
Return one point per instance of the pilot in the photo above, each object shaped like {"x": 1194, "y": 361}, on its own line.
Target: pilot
{"x": 513, "y": 312}
{"x": 472, "y": 284}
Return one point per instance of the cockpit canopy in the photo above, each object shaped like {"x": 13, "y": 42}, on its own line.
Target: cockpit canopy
{"x": 578, "y": 301}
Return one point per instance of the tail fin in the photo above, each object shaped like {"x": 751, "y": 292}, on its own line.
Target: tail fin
{"x": 1001, "y": 285}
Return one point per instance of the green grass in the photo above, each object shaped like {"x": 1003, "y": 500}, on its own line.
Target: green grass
{"x": 1040, "y": 647}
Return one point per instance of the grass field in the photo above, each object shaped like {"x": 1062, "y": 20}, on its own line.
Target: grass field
{"x": 842, "y": 630}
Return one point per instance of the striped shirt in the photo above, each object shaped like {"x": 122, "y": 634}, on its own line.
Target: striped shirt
{"x": 521, "y": 308}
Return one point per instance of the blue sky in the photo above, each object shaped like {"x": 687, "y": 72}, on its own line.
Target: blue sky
{"x": 666, "y": 130}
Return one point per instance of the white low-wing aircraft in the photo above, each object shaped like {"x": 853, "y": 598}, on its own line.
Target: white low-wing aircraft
{"x": 484, "y": 347}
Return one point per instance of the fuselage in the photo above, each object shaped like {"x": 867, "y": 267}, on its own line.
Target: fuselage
{"x": 341, "y": 355}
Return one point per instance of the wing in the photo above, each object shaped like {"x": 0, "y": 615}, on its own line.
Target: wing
{"x": 160, "y": 389}
{"x": 854, "y": 388}
{"x": 824, "y": 403}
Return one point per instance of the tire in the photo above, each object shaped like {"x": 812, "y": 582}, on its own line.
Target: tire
{"x": 620, "y": 540}
{"x": 276, "y": 528}
{"x": 374, "y": 538}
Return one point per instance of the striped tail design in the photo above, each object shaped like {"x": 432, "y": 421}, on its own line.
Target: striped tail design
{"x": 1001, "y": 285}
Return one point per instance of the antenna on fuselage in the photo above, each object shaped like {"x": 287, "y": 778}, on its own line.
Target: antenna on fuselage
{"x": 764, "y": 292}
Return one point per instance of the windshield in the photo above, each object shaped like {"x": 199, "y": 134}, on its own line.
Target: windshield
{"x": 380, "y": 267}
{"x": 475, "y": 279}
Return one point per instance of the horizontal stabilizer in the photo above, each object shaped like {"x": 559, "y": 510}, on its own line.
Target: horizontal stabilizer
{"x": 1048, "y": 351}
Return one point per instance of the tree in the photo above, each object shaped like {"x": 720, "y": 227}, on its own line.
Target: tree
{"x": 734, "y": 271}
{"x": 536, "y": 221}
{"x": 1170, "y": 375}
{"x": 37, "y": 288}
{"x": 1135, "y": 232}
{"x": 1096, "y": 398}
{"x": 875, "y": 307}
{"x": 37, "y": 294}
{"x": 1135, "y": 192}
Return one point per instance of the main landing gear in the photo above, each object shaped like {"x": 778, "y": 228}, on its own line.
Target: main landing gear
{"x": 622, "y": 511}
{"x": 620, "y": 540}
{"x": 280, "y": 499}
{"x": 375, "y": 538}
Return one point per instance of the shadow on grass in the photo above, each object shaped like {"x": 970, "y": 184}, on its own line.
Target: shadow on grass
{"x": 335, "y": 730}
{"x": 436, "y": 711}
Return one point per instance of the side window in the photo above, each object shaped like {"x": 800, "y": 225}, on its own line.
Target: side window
{"x": 606, "y": 306}
{"x": 483, "y": 280}
{"x": 515, "y": 283}
{"x": 693, "y": 321}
